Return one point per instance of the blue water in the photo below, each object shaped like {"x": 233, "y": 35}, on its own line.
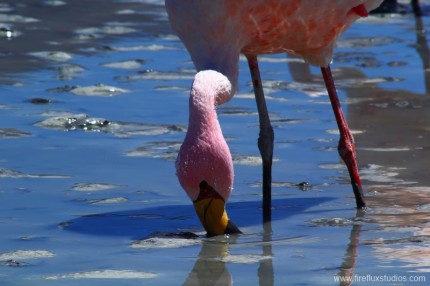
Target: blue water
{"x": 98, "y": 202}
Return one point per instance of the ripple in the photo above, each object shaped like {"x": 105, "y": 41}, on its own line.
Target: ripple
{"x": 425, "y": 207}
{"x": 360, "y": 82}
{"x": 111, "y": 28}
{"x": 74, "y": 122}
{"x": 243, "y": 258}
{"x": 129, "y": 64}
{"x": 25, "y": 255}
{"x": 408, "y": 239}
{"x": 98, "y": 90}
{"x": 138, "y": 129}
{"x": 232, "y": 110}
{"x": 335, "y": 131}
{"x": 115, "y": 200}
{"x": 105, "y": 274}
{"x": 167, "y": 240}
{"x": 380, "y": 174}
{"x": 247, "y": 160}
{"x": 159, "y": 149}
{"x": 156, "y": 75}
{"x": 54, "y": 3}
{"x": 117, "y": 29}
{"x": 93, "y": 187}
{"x": 335, "y": 221}
{"x": 387, "y": 149}
{"x": 365, "y": 42}
{"x": 69, "y": 71}
{"x": 16, "y": 19}
{"x": 331, "y": 166}
{"x": 57, "y": 56}
{"x": 7, "y": 173}
{"x": 363, "y": 60}
{"x": 67, "y": 121}
{"x": 153, "y": 48}
{"x": 12, "y": 133}
{"x": 274, "y": 59}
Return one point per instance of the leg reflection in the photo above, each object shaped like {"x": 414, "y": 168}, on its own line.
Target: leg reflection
{"x": 350, "y": 258}
{"x": 266, "y": 275}
{"x": 209, "y": 268}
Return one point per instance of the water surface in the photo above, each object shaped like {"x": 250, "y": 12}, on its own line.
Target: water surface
{"x": 93, "y": 109}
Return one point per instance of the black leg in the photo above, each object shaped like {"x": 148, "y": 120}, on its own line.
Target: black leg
{"x": 265, "y": 139}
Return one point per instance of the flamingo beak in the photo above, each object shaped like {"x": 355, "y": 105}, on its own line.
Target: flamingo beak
{"x": 213, "y": 216}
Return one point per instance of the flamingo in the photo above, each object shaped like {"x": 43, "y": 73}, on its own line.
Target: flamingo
{"x": 215, "y": 33}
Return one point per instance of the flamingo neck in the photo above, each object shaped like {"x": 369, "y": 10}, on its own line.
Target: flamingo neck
{"x": 209, "y": 89}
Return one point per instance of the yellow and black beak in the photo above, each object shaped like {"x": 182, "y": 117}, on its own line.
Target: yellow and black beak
{"x": 210, "y": 208}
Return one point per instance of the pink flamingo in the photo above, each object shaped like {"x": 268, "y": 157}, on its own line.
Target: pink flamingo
{"x": 215, "y": 32}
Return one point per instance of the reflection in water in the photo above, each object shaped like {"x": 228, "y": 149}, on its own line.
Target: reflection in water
{"x": 266, "y": 276}
{"x": 350, "y": 258}
{"x": 423, "y": 48}
{"x": 210, "y": 267}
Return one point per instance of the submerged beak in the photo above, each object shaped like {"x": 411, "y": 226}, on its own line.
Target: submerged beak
{"x": 213, "y": 216}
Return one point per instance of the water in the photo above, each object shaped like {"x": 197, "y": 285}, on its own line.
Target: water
{"x": 87, "y": 181}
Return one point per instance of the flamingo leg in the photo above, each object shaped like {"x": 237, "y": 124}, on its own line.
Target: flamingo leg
{"x": 346, "y": 146}
{"x": 416, "y": 8}
{"x": 265, "y": 139}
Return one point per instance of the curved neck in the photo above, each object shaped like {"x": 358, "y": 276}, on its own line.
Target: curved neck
{"x": 209, "y": 89}
{"x": 202, "y": 112}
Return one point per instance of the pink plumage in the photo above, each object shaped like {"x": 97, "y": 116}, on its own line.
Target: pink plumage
{"x": 215, "y": 32}
{"x": 204, "y": 155}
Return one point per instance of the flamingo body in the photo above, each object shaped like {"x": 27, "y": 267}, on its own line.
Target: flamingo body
{"x": 215, "y": 32}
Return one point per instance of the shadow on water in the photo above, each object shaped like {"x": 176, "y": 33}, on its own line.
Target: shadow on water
{"x": 171, "y": 218}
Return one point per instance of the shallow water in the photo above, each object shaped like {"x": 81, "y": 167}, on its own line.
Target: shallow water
{"x": 93, "y": 108}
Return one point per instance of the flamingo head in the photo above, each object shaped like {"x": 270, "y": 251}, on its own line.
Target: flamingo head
{"x": 210, "y": 208}
{"x": 204, "y": 165}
